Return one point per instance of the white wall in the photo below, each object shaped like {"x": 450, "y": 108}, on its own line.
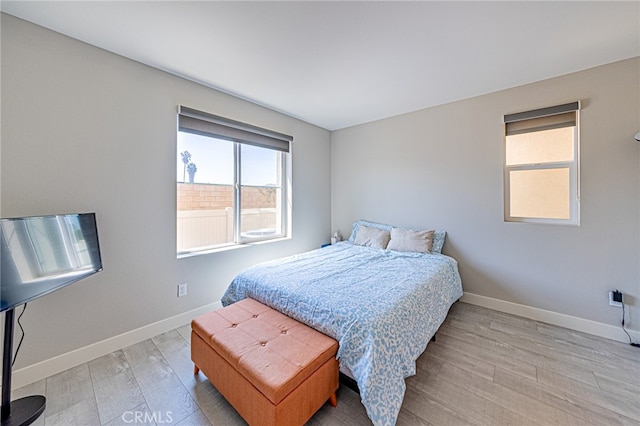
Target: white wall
{"x": 442, "y": 168}
{"x": 86, "y": 130}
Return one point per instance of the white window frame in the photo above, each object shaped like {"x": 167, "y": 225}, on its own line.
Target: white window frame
{"x": 238, "y": 133}
{"x": 237, "y": 197}
{"x": 573, "y": 166}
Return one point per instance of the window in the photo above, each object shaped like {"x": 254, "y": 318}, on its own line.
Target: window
{"x": 232, "y": 182}
{"x": 541, "y": 179}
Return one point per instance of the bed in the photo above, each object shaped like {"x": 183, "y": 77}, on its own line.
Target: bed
{"x": 383, "y": 306}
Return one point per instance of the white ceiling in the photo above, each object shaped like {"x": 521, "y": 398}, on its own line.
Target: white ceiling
{"x": 337, "y": 64}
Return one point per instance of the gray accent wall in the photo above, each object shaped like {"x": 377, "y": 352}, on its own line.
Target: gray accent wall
{"x": 86, "y": 130}
{"x": 442, "y": 168}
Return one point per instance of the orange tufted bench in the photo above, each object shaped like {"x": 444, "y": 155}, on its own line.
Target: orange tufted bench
{"x": 272, "y": 369}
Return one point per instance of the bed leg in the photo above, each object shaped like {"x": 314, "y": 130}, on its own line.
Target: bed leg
{"x": 333, "y": 400}
{"x": 433, "y": 338}
{"x": 196, "y": 370}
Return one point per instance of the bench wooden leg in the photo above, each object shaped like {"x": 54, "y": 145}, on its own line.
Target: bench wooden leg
{"x": 196, "y": 370}
{"x": 333, "y": 400}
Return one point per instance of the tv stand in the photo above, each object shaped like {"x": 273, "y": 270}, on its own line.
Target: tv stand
{"x": 23, "y": 411}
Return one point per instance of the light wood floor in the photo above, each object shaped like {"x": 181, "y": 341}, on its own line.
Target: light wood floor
{"x": 485, "y": 368}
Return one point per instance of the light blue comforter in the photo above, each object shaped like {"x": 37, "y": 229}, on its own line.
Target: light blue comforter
{"x": 382, "y": 307}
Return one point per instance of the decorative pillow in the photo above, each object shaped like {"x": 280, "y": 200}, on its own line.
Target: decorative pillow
{"x": 372, "y": 237}
{"x": 438, "y": 241}
{"x": 356, "y": 227}
{"x": 438, "y": 238}
{"x": 409, "y": 240}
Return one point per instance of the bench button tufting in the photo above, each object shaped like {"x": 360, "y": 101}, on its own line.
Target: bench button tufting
{"x": 271, "y": 382}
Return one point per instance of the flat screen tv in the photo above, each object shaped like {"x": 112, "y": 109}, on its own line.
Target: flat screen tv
{"x": 38, "y": 255}
{"x": 42, "y": 254}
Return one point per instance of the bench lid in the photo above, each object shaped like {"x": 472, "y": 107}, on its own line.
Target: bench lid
{"x": 274, "y": 352}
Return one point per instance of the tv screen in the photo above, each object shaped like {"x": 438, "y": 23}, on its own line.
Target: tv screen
{"x": 42, "y": 254}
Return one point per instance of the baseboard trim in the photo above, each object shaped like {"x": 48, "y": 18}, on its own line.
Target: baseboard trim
{"x": 55, "y": 365}
{"x": 574, "y": 323}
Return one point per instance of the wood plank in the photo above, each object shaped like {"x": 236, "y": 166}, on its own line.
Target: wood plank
{"x": 185, "y": 332}
{"x": 590, "y": 341}
{"x": 617, "y": 387}
{"x": 83, "y": 412}
{"x": 116, "y": 395}
{"x": 419, "y": 408}
{"x": 560, "y": 399}
{"x": 169, "y": 342}
{"x": 626, "y": 406}
{"x": 539, "y": 355}
{"x": 215, "y": 407}
{"x": 604, "y": 356}
{"x": 492, "y": 352}
{"x": 162, "y": 389}
{"x": 407, "y": 418}
{"x": 68, "y": 388}
{"x": 349, "y": 411}
{"x": 178, "y": 355}
{"x": 107, "y": 366}
{"x": 164, "y": 392}
{"x": 196, "y": 419}
{"x": 143, "y": 354}
{"x": 436, "y": 354}
{"x": 479, "y": 314}
{"x": 530, "y": 408}
{"x": 136, "y": 415}
{"x": 428, "y": 362}
{"x": 463, "y": 402}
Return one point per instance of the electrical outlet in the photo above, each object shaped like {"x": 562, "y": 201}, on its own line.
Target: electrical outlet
{"x": 182, "y": 289}
{"x": 615, "y": 298}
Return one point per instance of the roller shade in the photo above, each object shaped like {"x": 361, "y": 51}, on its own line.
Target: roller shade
{"x": 202, "y": 123}
{"x": 542, "y": 119}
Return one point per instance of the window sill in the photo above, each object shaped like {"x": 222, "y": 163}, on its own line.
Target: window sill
{"x": 229, "y": 247}
{"x": 562, "y": 222}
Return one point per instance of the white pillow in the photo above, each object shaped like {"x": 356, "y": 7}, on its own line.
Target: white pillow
{"x": 372, "y": 237}
{"x": 409, "y": 240}
{"x": 357, "y": 224}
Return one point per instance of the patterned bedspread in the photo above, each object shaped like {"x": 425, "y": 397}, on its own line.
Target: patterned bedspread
{"x": 382, "y": 307}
